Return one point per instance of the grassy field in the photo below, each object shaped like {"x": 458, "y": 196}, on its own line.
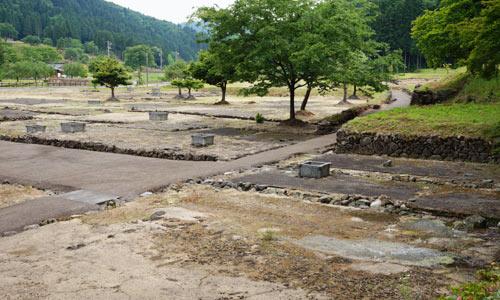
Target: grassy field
{"x": 430, "y": 73}
{"x": 471, "y": 120}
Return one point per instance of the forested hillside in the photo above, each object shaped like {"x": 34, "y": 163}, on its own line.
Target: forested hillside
{"x": 393, "y": 26}
{"x": 98, "y": 21}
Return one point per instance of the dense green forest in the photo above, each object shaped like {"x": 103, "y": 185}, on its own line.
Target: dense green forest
{"x": 98, "y": 21}
{"x": 393, "y": 26}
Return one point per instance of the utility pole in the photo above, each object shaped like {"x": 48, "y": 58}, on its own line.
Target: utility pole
{"x": 161, "y": 58}
{"x": 109, "y": 44}
{"x": 147, "y": 69}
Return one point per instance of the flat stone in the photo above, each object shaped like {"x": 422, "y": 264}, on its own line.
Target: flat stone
{"x": 89, "y": 197}
{"x": 381, "y": 268}
{"x": 182, "y": 214}
{"x": 375, "y": 250}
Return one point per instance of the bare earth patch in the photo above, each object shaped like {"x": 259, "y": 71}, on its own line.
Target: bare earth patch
{"x": 13, "y": 194}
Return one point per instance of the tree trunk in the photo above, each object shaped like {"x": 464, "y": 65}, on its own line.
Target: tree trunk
{"x": 189, "y": 92}
{"x": 355, "y": 91}
{"x": 180, "y": 92}
{"x": 112, "y": 93}
{"x": 224, "y": 89}
{"x": 306, "y": 98}
{"x": 344, "y": 100}
{"x": 292, "y": 102}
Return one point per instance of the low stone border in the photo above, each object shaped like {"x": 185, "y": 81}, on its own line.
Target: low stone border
{"x": 429, "y": 97}
{"x": 426, "y": 147}
{"x": 333, "y": 123}
{"x": 98, "y": 147}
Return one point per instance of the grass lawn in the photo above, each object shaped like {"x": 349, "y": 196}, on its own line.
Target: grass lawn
{"x": 430, "y": 73}
{"x": 471, "y": 120}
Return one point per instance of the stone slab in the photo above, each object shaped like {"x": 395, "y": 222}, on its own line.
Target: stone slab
{"x": 376, "y": 250}
{"x": 89, "y": 197}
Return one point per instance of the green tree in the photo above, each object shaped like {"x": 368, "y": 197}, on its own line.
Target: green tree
{"x": 18, "y": 70}
{"x": 179, "y": 84}
{"x": 74, "y": 54}
{"x": 75, "y": 70}
{"x": 32, "y": 40}
{"x": 42, "y": 53}
{"x": 177, "y": 71}
{"x": 8, "y": 31}
{"x": 67, "y": 42}
{"x": 91, "y": 48}
{"x": 214, "y": 70}
{"x": 40, "y": 70}
{"x": 461, "y": 32}
{"x": 288, "y": 43}
{"x": 191, "y": 84}
{"x": 110, "y": 72}
{"x": 139, "y": 56}
{"x": 47, "y": 41}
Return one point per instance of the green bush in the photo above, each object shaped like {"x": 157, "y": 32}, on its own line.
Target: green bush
{"x": 486, "y": 288}
{"x": 259, "y": 118}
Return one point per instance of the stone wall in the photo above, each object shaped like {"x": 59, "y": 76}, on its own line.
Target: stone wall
{"x": 427, "y": 147}
{"x": 428, "y": 97}
{"x": 90, "y": 146}
{"x": 333, "y": 123}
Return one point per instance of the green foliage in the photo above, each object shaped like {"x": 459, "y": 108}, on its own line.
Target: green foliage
{"x": 41, "y": 53}
{"x": 91, "y": 48}
{"x": 99, "y": 21}
{"x": 32, "y": 40}
{"x": 487, "y": 287}
{"x": 393, "y": 26}
{"x": 47, "y": 41}
{"x": 28, "y": 70}
{"x": 259, "y": 118}
{"x": 139, "y": 56}
{"x": 192, "y": 84}
{"x": 214, "y": 68}
{"x": 461, "y": 32}
{"x": 75, "y": 70}
{"x": 110, "y": 72}
{"x": 178, "y": 70}
{"x": 74, "y": 54}
{"x": 471, "y": 120}
{"x": 65, "y": 42}
{"x": 8, "y": 31}
{"x": 287, "y": 43}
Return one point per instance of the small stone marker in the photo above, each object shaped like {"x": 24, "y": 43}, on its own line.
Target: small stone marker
{"x": 130, "y": 89}
{"x": 35, "y": 128}
{"x": 72, "y": 127}
{"x": 156, "y": 92}
{"x": 314, "y": 169}
{"x": 158, "y": 115}
{"x": 202, "y": 139}
{"x": 94, "y": 102}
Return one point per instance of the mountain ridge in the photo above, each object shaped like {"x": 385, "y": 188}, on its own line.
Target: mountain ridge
{"x": 98, "y": 21}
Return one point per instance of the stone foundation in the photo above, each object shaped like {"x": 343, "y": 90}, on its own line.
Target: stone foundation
{"x": 90, "y": 146}
{"x": 426, "y": 147}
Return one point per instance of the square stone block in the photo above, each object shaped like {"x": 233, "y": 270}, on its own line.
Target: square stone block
{"x": 202, "y": 139}
{"x": 156, "y": 92}
{"x": 158, "y": 115}
{"x": 130, "y": 89}
{"x": 35, "y": 128}
{"x": 314, "y": 169}
{"x": 72, "y": 127}
{"x": 94, "y": 102}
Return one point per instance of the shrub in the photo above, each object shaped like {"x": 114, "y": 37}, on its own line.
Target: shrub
{"x": 259, "y": 118}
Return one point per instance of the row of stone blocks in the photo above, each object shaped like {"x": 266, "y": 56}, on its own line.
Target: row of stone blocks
{"x": 69, "y": 127}
{"x": 197, "y": 140}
